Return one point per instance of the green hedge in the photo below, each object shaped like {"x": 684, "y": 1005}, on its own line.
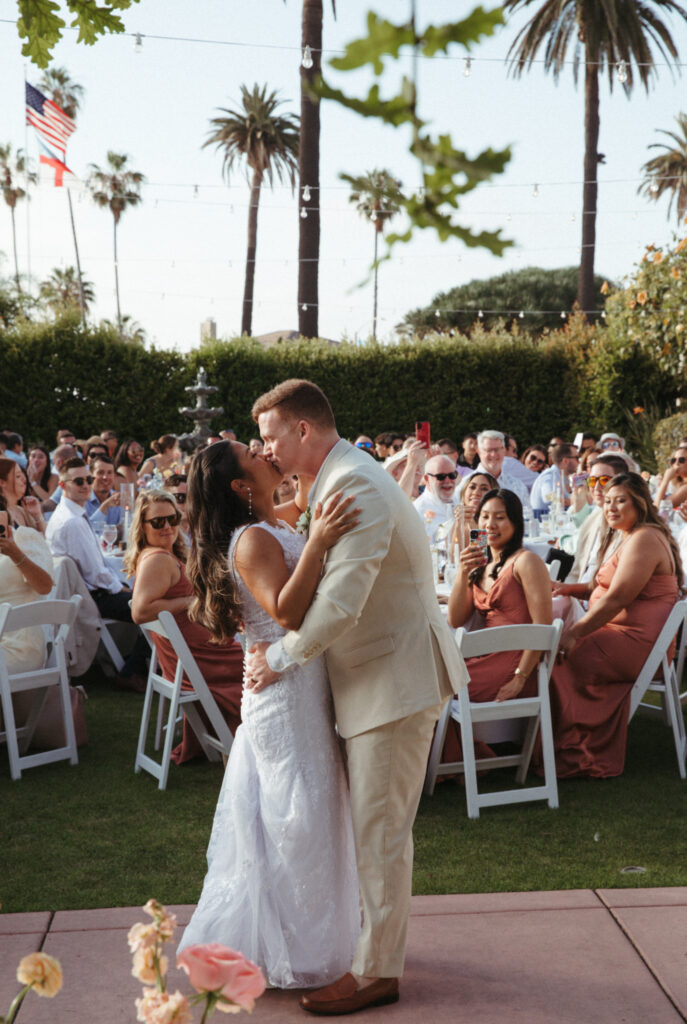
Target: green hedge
{"x": 56, "y": 375}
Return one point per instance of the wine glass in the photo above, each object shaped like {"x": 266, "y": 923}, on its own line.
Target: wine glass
{"x": 109, "y": 536}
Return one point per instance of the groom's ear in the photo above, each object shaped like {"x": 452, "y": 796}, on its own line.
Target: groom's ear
{"x": 304, "y": 428}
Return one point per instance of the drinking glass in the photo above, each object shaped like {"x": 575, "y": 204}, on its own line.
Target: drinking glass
{"x": 109, "y": 536}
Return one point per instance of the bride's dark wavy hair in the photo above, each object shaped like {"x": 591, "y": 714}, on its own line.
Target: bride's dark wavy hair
{"x": 513, "y": 507}
{"x": 214, "y": 511}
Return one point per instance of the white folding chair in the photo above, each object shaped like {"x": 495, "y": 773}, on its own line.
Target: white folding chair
{"x": 59, "y": 616}
{"x": 108, "y": 642}
{"x": 666, "y": 684}
{"x": 470, "y": 715}
{"x": 188, "y": 699}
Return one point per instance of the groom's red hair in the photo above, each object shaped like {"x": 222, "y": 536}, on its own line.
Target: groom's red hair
{"x": 297, "y": 400}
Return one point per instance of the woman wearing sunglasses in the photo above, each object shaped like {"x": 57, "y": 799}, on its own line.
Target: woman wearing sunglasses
{"x": 157, "y": 555}
{"x": 535, "y": 458}
{"x": 674, "y": 481}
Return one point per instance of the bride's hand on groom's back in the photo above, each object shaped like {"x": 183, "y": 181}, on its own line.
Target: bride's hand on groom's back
{"x": 330, "y": 523}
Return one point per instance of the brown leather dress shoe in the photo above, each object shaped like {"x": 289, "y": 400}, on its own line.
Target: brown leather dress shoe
{"x": 344, "y": 996}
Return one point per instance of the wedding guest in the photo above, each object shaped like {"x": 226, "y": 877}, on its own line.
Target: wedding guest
{"x": 555, "y": 479}
{"x": 382, "y": 445}
{"x": 255, "y": 445}
{"x": 407, "y": 467}
{"x": 64, "y": 436}
{"x": 177, "y": 486}
{"x": 111, "y": 440}
{"x": 469, "y": 457}
{"x": 166, "y": 457}
{"x": 14, "y": 448}
{"x": 508, "y": 586}
{"x": 43, "y": 481}
{"x": 470, "y": 494}
{"x": 69, "y": 533}
{"x": 93, "y": 448}
{"x": 535, "y": 458}
{"x": 285, "y": 490}
{"x": 129, "y": 458}
{"x": 553, "y": 443}
{"x": 436, "y": 503}
{"x": 156, "y": 555}
{"x": 603, "y": 651}
{"x": 587, "y": 457}
{"x": 590, "y": 521}
{"x": 611, "y": 442}
{"x": 673, "y": 483}
{"x": 103, "y": 506}
{"x": 513, "y": 467}
{"x": 587, "y": 443}
{"x": 492, "y": 453}
{"x": 293, "y": 510}
{"x": 449, "y": 448}
{"x": 24, "y": 508}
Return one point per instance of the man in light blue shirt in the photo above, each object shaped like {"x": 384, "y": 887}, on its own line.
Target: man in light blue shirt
{"x": 555, "y": 476}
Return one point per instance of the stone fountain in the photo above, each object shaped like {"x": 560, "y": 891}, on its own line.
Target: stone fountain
{"x": 200, "y": 413}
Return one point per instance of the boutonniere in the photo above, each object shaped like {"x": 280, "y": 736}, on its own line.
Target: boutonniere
{"x": 303, "y": 521}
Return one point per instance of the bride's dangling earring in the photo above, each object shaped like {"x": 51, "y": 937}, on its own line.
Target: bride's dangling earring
{"x": 250, "y": 503}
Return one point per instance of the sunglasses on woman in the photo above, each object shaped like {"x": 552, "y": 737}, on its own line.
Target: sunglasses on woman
{"x": 158, "y": 522}
{"x": 444, "y": 476}
{"x": 679, "y": 460}
{"x": 601, "y": 480}
{"x": 535, "y": 460}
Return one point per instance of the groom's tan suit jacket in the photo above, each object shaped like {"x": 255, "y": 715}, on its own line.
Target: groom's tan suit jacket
{"x": 389, "y": 650}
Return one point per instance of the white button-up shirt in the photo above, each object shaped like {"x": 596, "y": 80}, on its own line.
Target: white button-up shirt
{"x": 69, "y": 533}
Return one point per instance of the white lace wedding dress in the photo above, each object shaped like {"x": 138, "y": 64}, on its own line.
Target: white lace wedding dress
{"x": 281, "y": 885}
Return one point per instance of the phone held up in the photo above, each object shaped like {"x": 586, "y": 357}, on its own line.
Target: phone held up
{"x": 4, "y": 523}
{"x": 422, "y": 432}
{"x": 479, "y": 537}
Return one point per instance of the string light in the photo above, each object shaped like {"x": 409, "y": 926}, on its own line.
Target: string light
{"x": 467, "y": 67}
{"x": 653, "y": 188}
{"x": 306, "y": 194}
{"x": 304, "y": 213}
{"x": 138, "y": 43}
{"x": 535, "y": 191}
{"x": 304, "y": 307}
{"x": 195, "y": 191}
{"x": 306, "y": 60}
{"x": 621, "y": 67}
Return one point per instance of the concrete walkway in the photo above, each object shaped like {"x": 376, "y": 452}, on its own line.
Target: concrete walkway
{"x": 610, "y": 956}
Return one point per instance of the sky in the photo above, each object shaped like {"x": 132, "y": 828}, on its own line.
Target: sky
{"x": 182, "y": 250}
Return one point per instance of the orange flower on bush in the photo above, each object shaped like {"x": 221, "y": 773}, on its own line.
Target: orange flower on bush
{"x": 605, "y": 288}
{"x": 642, "y": 298}
{"x": 631, "y": 303}
{"x": 658, "y": 257}
{"x": 674, "y": 272}
{"x": 682, "y": 243}
{"x": 42, "y": 972}
{"x": 638, "y": 410}
{"x": 214, "y": 968}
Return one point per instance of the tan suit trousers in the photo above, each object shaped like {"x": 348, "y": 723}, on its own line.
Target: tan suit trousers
{"x": 386, "y": 768}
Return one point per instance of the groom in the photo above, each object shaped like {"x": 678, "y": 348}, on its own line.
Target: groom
{"x": 392, "y": 662}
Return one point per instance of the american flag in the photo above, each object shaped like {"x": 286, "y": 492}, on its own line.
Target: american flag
{"x": 51, "y": 123}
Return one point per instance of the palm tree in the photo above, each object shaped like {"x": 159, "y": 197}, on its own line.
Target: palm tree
{"x": 269, "y": 143}
{"x": 11, "y": 170}
{"x": 116, "y": 187}
{"x": 611, "y": 34}
{"x": 129, "y": 329}
{"x": 67, "y": 94}
{"x": 63, "y": 290}
{"x": 668, "y": 172}
{"x": 377, "y": 197}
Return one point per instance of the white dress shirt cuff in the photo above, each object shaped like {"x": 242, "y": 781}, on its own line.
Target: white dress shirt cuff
{"x": 277, "y": 658}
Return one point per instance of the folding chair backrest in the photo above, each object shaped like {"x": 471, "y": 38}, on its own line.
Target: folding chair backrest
{"x": 651, "y": 666}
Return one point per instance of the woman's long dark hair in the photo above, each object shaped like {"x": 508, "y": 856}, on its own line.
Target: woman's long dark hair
{"x": 647, "y": 515}
{"x": 45, "y": 477}
{"x": 214, "y": 511}
{"x": 513, "y": 507}
{"x": 122, "y": 456}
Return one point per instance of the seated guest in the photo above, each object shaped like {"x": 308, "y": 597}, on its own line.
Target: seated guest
{"x": 128, "y": 459}
{"x": 14, "y": 448}
{"x": 26, "y": 574}
{"x": 553, "y": 443}
{"x": 64, "y": 436}
{"x": 103, "y": 506}
{"x": 365, "y": 443}
{"x": 470, "y": 494}
{"x": 382, "y": 445}
{"x": 611, "y": 442}
{"x": 436, "y": 503}
{"x": 157, "y": 555}
{"x": 555, "y": 480}
{"x": 285, "y": 490}
{"x": 291, "y": 510}
{"x": 111, "y": 440}
{"x": 491, "y": 449}
{"x": 514, "y": 467}
{"x": 256, "y": 445}
{"x": 673, "y": 483}
{"x": 587, "y": 457}
{"x": 629, "y": 602}
{"x": 23, "y": 507}
{"x": 166, "y": 457}
{"x": 591, "y": 523}
{"x": 469, "y": 457}
{"x": 41, "y": 477}
{"x": 70, "y": 533}
{"x": 535, "y": 458}
{"x": 94, "y": 448}
{"x": 587, "y": 443}
{"x": 177, "y": 487}
{"x": 509, "y": 586}
{"x": 449, "y": 448}
{"x": 407, "y": 467}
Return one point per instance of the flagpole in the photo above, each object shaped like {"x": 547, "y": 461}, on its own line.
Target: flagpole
{"x": 78, "y": 262}
{"x": 26, "y": 186}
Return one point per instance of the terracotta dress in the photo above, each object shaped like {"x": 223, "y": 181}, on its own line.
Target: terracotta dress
{"x": 590, "y": 690}
{"x": 220, "y": 664}
{"x": 504, "y": 605}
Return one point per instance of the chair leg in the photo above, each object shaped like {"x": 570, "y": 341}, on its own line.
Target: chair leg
{"x": 548, "y": 754}
{"x": 145, "y": 719}
{"x": 169, "y": 740}
{"x": 436, "y": 749}
{"x": 673, "y": 708}
{"x": 10, "y": 733}
{"x": 162, "y": 704}
{"x": 467, "y": 739}
{"x": 111, "y": 648}
{"x": 527, "y": 748}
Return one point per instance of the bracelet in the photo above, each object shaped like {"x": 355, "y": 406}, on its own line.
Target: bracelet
{"x": 20, "y": 561}
{"x": 519, "y": 672}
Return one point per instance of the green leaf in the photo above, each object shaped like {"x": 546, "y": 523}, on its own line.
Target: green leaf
{"x": 40, "y": 24}
{"x": 438, "y": 38}
{"x": 383, "y": 39}
{"x": 394, "y": 111}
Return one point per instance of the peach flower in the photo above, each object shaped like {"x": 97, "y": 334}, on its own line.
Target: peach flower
{"x": 605, "y": 288}
{"x": 162, "y": 1008}
{"x": 674, "y": 272}
{"x": 658, "y": 257}
{"x": 142, "y": 936}
{"x": 682, "y": 243}
{"x": 144, "y": 965}
{"x": 42, "y": 972}
{"x": 642, "y": 298}
{"x": 164, "y": 922}
{"x": 214, "y": 968}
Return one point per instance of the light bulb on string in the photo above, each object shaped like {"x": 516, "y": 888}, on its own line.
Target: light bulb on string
{"x": 138, "y": 43}
{"x": 195, "y": 191}
{"x": 521, "y": 315}
{"x": 304, "y": 307}
{"x": 306, "y": 193}
{"x": 480, "y": 314}
{"x": 373, "y": 215}
{"x": 562, "y": 315}
{"x": 535, "y": 191}
{"x": 621, "y": 68}
{"x": 304, "y": 213}
{"x": 306, "y": 60}
{"x": 653, "y": 188}
{"x": 437, "y": 312}
{"x": 467, "y": 67}
{"x": 509, "y": 216}
{"x": 572, "y": 217}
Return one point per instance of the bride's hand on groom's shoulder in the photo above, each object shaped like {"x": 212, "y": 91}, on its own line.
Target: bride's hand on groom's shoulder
{"x": 331, "y": 522}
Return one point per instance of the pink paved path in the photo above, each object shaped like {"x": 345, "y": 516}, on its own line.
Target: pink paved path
{"x": 610, "y": 956}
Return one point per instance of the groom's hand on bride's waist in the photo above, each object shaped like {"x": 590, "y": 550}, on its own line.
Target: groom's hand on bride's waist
{"x": 258, "y": 673}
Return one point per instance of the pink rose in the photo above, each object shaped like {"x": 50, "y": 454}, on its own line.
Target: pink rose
{"x": 214, "y": 968}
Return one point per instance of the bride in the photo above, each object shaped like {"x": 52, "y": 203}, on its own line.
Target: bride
{"x": 281, "y": 885}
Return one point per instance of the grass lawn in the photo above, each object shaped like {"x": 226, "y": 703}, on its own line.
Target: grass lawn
{"x": 98, "y": 835}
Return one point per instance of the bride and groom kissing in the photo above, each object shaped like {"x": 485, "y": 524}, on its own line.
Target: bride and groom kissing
{"x": 301, "y": 844}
